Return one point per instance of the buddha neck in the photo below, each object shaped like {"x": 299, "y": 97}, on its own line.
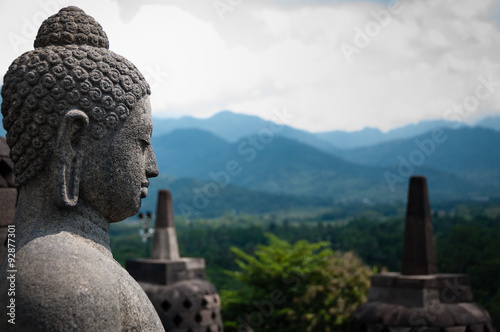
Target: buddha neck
{"x": 38, "y": 215}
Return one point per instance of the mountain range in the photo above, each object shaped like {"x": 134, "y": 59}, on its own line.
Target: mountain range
{"x": 471, "y": 153}
{"x": 233, "y": 127}
{"x": 235, "y": 162}
{"x": 288, "y": 167}
{"x": 460, "y": 163}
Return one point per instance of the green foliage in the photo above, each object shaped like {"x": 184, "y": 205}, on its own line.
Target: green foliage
{"x": 472, "y": 248}
{"x": 126, "y": 242}
{"x": 466, "y": 242}
{"x": 301, "y": 287}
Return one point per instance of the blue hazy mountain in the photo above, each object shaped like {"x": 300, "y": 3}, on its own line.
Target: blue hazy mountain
{"x": 371, "y": 136}
{"x": 229, "y": 199}
{"x": 471, "y": 153}
{"x": 288, "y": 167}
{"x": 347, "y": 140}
{"x": 190, "y": 152}
{"x": 490, "y": 122}
{"x": 233, "y": 127}
{"x": 296, "y": 163}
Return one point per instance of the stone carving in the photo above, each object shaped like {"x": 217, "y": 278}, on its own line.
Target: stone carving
{"x": 42, "y": 85}
{"x": 78, "y": 123}
{"x": 8, "y": 194}
{"x": 176, "y": 285}
{"x": 418, "y": 298}
{"x": 419, "y": 251}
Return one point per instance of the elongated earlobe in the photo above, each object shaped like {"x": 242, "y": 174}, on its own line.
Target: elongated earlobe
{"x": 69, "y": 141}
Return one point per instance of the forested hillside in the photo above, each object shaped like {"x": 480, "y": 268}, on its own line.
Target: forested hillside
{"x": 283, "y": 166}
{"x": 466, "y": 238}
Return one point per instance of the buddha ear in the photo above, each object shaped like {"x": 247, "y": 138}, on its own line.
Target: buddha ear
{"x": 70, "y": 155}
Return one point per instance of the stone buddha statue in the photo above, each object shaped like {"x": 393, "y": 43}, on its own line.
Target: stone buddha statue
{"x": 78, "y": 122}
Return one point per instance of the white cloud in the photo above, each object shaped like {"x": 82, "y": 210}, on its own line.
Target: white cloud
{"x": 265, "y": 55}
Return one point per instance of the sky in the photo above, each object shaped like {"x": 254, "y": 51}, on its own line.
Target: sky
{"x": 330, "y": 64}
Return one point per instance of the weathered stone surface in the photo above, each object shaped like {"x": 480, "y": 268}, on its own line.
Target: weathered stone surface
{"x": 186, "y": 305}
{"x": 418, "y": 291}
{"x": 166, "y": 272}
{"x": 78, "y": 121}
{"x": 390, "y": 315}
{"x": 476, "y": 328}
{"x": 442, "y": 315}
{"x": 8, "y": 199}
{"x": 404, "y": 316}
{"x": 6, "y": 166}
{"x": 399, "y": 329}
{"x": 3, "y": 240}
{"x": 8, "y": 194}
{"x": 455, "y": 329}
{"x": 368, "y": 314}
{"x": 4, "y": 148}
{"x": 184, "y": 300}
{"x": 164, "y": 210}
{"x": 419, "y": 252}
{"x": 435, "y": 316}
{"x": 165, "y": 244}
{"x": 425, "y": 302}
{"x": 374, "y": 328}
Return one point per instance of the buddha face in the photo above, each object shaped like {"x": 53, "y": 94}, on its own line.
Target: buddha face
{"x": 116, "y": 168}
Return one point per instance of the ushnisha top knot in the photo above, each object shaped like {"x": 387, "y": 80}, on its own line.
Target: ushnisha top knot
{"x": 71, "y": 26}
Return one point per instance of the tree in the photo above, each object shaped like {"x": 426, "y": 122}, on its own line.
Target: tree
{"x": 295, "y": 287}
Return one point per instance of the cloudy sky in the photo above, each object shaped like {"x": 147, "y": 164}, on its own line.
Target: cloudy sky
{"x": 332, "y": 64}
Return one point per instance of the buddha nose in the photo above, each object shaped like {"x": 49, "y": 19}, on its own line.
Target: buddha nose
{"x": 151, "y": 165}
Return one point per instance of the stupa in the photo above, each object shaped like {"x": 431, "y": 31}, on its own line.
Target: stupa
{"x": 177, "y": 286}
{"x": 419, "y": 298}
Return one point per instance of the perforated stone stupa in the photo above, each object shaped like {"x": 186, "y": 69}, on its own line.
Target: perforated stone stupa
{"x": 419, "y": 298}
{"x": 176, "y": 285}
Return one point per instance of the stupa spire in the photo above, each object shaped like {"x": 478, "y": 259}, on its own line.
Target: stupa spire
{"x": 419, "y": 251}
{"x": 165, "y": 245}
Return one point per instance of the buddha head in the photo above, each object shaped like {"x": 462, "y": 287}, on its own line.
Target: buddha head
{"x": 78, "y": 119}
